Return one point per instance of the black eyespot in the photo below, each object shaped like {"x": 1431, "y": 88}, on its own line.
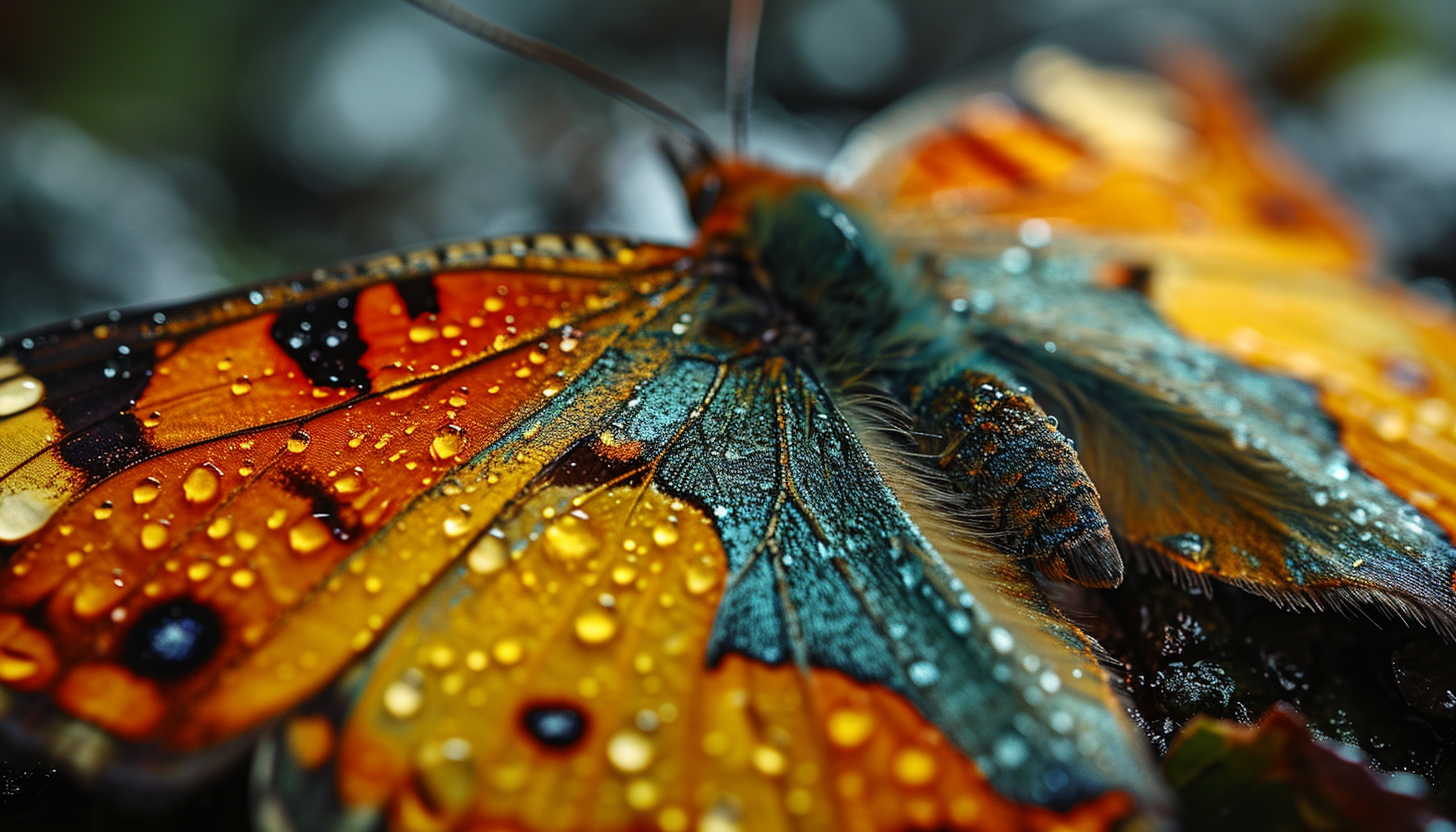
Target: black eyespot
{"x": 323, "y": 338}
{"x": 555, "y": 726}
{"x": 171, "y": 640}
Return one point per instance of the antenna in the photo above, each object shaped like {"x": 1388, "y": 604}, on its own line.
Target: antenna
{"x": 544, "y": 53}
{"x": 744, "y": 21}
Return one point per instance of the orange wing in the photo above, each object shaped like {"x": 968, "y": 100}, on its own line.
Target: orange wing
{"x": 186, "y": 493}
{"x": 1120, "y": 160}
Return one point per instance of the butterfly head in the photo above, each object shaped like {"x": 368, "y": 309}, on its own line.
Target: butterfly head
{"x": 798, "y": 244}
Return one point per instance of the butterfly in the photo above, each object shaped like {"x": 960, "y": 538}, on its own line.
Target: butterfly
{"x": 775, "y": 530}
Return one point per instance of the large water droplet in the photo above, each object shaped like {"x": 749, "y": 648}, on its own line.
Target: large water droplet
{"x": 201, "y": 484}
{"x": 146, "y": 491}
{"x": 308, "y": 535}
{"x": 23, "y": 513}
{"x": 153, "y": 536}
{"x": 20, "y": 393}
{"x": 629, "y": 752}
{"x": 487, "y": 555}
{"x": 298, "y": 442}
{"x": 402, "y": 699}
{"x": 446, "y": 443}
{"x": 664, "y": 534}
{"x": 570, "y": 539}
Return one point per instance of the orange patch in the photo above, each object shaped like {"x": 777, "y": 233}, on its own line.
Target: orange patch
{"x": 27, "y": 659}
{"x": 310, "y": 740}
{"x": 112, "y": 698}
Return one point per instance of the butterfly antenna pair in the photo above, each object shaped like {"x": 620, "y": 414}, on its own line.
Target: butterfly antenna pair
{"x": 742, "y": 43}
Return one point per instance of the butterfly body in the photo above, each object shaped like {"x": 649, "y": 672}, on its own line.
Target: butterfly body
{"x": 571, "y": 532}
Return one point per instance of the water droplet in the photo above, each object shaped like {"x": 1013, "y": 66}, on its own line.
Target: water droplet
{"x": 1001, "y": 640}
{"x": 643, "y": 794}
{"x": 456, "y": 525}
{"x": 1015, "y": 260}
{"x": 699, "y": 579}
{"x": 446, "y": 443}
{"x": 664, "y": 534}
{"x": 146, "y": 491}
{"x": 1390, "y": 425}
{"x": 402, "y": 699}
{"x": 102, "y": 512}
{"x": 25, "y": 512}
{"x": 924, "y": 673}
{"x": 508, "y": 651}
{"x": 242, "y": 386}
{"x": 420, "y": 334}
{"x": 913, "y": 767}
{"x": 849, "y": 728}
{"x": 570, "y": 539}
{"x": 487, "y": 555}
{"x": 1035, "y": 232}
{"x": 20, "y": 393}
{"x": 725, "y": 816}
{"x": 630, "y": 752}
{"x": 243, "y": 578}
{"x": 440, "y": 656}
{"x": 199, "y": 571}
{"x": 348, "y": 484}
{"x": 153, "y": 536}
{"x": 624, "y": 574}
{"x": 201, "y": 484}
{"x": 308, "y": 535}
{"x": 595, "y": 626}
{"x": 768, "y": 761}
{"x": 1049, "y": 681}
{"x": 298, "y": 442}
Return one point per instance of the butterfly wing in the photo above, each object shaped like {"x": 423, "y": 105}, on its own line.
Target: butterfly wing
{"x": 184, "y": 491}
{"x": 711, "y": 612}
{"x": 1222, "y": 470}
{"x": 1129, "y": 164}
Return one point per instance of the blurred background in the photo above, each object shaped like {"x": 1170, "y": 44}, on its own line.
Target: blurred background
{"x": 155, "y": 149}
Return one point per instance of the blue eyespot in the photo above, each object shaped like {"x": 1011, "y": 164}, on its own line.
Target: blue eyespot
{"x": 171, "y": 640}
{"x": 555, "y": 726}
